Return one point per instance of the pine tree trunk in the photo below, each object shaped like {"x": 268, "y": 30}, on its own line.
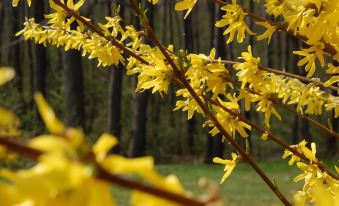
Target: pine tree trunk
{"x": 189, "y": 40}
{"x": 115, "y": 92}
{"x": 73, "y": 77}
{"x": 219, "y": 44}
{"x": 138, "y": 147}
{"x": 39, "y": 53}
{"x": 16, "y": 54}
{"x": 2, "y": 16}
{"x": 331, "y": 142}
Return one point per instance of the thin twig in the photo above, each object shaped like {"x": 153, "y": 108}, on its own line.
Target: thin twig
{"x": 328, "y": 47}
{"x": 208, "y": 113}
{"x": 272, "y": 137}
{"x": 283, "y": 73}
{"x": 100, "y": 32}
{"x": 277, "y": 102}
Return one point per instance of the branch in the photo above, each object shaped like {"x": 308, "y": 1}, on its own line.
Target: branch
{"x": 112, "y": 178}
{"x": 279, "y": 72}
{"x": 328, "y": 47}
{"x": 97, "y": 30}
{"x": 277, "y": 102}
{"x": 208, "y": 113}
{"x": 272, "y": 137}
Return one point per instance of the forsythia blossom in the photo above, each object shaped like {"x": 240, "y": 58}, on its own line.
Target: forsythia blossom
{"x": 234, "y": 19}
{"x": 229, "y": 165}
{"x": 185, "y": 5}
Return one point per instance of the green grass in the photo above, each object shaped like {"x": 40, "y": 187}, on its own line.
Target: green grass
{"x": 244, "y": 186}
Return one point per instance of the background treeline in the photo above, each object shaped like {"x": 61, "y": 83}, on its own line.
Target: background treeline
{"x": 103, "y": 99}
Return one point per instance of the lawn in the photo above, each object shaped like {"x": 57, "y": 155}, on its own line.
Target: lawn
{"x": 244, "y": 187}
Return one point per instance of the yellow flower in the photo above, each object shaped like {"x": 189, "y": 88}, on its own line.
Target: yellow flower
{"x": 51, "y": 144}
{"x": 266, "y": 105}
{"x": 301, "y": 147}
{"x": 15, "y": 3}
{"x": 269, "y": 32}
{"x": 8, "y": 123}
{"x": 157, "y": 75}
{"x": 103, "y": 145}
{"x": 53, "y": 124}
{"x": 189, "y": 104}
{"x": 229, "y": 122}
{"x": 249, "y": 70}
{"x": 153, "y": 1}
{"x": 310, "y": 55}
{"x": 229, "y": 165}
{"x": 185, "y": 5}
{"x": 170, "y": 183}
{"x": 234, "y": 19}
{"x": 6, "y": 74}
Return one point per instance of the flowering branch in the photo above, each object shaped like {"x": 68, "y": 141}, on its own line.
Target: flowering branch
{"x": 277, "y": 102}
{"x": 328, "y": 48}
{"x": 206, "y": 111}
{"x": 270, "y": 136}
{"x": 106, "y": 176}
{"x": 279, "y": 72}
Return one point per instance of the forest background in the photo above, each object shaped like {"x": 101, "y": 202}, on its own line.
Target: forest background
{"x": 101, "y": 99}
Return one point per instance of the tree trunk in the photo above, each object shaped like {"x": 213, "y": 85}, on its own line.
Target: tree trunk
{"x": 331, "y": 143}
{"x": 189, "y": 41}
{"x": 2, "y": 16}
{"x": 140, "y": 110}
{"x": 16, "y": 55}
{"x": 39, "y": 53}
{"x": 219, "y": 44}
{"x": 115, "y": 92}
{"x": 75, "y": 112}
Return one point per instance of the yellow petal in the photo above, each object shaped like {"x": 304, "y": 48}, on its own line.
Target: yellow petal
{"x": 6, "y": 74}
{"x": 331, "y": 81}
{"x": 153, "y": 1}
{"x": 53, "y": 124}
{"x": 15, "y": 3}
{"x": 103, "y": 145}
{"x": 50, "y": 143}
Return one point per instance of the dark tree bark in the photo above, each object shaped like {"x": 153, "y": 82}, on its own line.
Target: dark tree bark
{"x": 331, "y": 142}
{"x": 189, "y": 40}
{"x": 139, "y": 125}
{"x": 215, "y": 147}
{"x": 75, "y": 112}
{"x": 2, "y": 16}
{"x": 39, "y": 53}
{"x": 138, "y": 147}
{"x": 248, "y": 113}
{"x": 16, "y": 54}
{"x": 115, "y": 92}
{"x": 300, "y": 127}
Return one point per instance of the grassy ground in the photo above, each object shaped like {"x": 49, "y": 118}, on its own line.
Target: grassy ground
{"x": 244, "y": 187}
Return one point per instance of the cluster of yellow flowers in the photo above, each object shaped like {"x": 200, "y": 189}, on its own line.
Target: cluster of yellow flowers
{"x": 319, "y": 187}
{"x": 268, "y": 86}
{"x": 316, "y": 21}
{"x": 77, "y": 163}
{"x": 234, "y": 19}
{"x": 67, "y": 169}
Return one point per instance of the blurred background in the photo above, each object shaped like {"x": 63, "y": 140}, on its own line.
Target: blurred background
{"x": 103, "y": 99}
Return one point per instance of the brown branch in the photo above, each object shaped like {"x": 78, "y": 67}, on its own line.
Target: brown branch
{"x": 16, "y": 147}
{"x": 112, "y": 178}
{"x": 272, "y": 137}
{"x": 97, "y": 30}
{"x": 277, "y": 102}
{"x": 279, "y": 72}
{"x": 328, "y": 47}
{"x": 208, "y": 113}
